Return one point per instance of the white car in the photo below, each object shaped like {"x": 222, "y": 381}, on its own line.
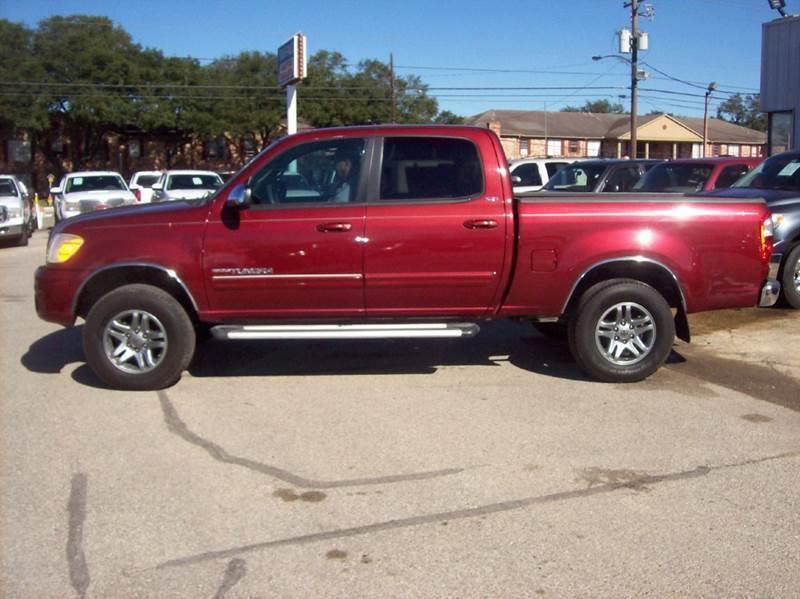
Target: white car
{"x": 185, "y": 185}
{"x": 17, "y": 220}
{"x": 82, "y": 192}
{"x": 530, "y": 174}
{"x": 141, "y": 184}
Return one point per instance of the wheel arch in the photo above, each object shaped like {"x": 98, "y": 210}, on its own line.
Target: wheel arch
{"x": 647, "y": 270}
{"x": 111, "y": 277}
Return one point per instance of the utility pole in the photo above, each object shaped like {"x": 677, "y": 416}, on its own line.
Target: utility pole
{"x": 634, "y": 4}
{"x": 393, "y": 90}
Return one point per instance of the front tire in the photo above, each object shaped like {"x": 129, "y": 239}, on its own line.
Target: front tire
{"x": 138, "y": 337}
{"x": 622, "y": 331}
{"x": 790, "y": 281}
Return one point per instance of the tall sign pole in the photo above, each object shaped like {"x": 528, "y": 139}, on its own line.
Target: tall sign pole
{"x": 291, "y": 71}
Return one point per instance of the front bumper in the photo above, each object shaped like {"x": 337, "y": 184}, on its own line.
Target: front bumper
{"x": 54, "y": 291}
{"x": 7, "y": 229}
{"x": 772, "y": 288}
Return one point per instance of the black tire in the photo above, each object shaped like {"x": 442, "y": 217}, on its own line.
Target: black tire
{"x": 604, "y": 303}
{"x": 166, "y": 318}
{"x": 790, "y": 280}
{"x": 22, "y": 240}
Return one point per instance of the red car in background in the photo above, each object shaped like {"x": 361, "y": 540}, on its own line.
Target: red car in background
{"x": 691, "y": 175}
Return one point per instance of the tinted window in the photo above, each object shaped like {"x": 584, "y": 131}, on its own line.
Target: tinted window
{"x": 580, "y": 176}
{"x": 94, "y": 183}
{"x": 193, "y": 182}
{"x": 429, "y": 169}
{"x": 147, "y": 180}
{"x": 7, "y": 188}
{"x": 730, "y": 175}
{"x": 320, "y": 172}
{"x": 622, "y": 178}
{"x": 676, "y": 178}
{"x": 552, "y": 167}
{"x": 779, "y": 172}
{"x": 528, "y": 173}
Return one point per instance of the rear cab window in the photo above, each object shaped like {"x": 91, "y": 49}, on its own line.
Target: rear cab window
{"x": 430, "y": 169}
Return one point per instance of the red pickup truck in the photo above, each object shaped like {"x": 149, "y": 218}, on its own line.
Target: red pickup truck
{"x": 397, "y": 232}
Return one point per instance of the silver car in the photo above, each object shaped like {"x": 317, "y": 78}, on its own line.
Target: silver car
{"x": 17, "y": 216}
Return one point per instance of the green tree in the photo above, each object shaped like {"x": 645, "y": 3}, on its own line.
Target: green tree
{"x": 445, "y": 117}
{"x": 597, "y": 107}
{"x": 744, "y": 111}
{"x": 21, "y": 105}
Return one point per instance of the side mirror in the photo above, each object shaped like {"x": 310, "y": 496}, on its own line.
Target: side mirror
{"x": 158, "y": 187}
{"x": 55, "y": 190}
{"x": 516, "y": 180}
{"x": 240, "y": 196}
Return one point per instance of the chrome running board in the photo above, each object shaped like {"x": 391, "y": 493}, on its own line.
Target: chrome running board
{"x": 347, "y": 331}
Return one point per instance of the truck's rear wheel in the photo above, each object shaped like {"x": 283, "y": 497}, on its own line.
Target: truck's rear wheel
{"x": 138, "y": 337}
{"x": 622, "y": 331}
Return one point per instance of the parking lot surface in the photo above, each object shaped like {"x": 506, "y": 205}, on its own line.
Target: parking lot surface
{"x": 488, "y": 467}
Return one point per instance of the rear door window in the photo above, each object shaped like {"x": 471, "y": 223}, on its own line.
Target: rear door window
{"x": 730, "y": 175}
{"x": 623, "y": 178}
{"x": 552, "y": 167}
{"x": 429, "y": 168}
{"x": 528, "y": 174}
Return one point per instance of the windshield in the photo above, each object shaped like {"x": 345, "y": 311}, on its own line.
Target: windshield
{"x": 675, "y": 178}
{"x": 95, "y": 183}
{"x": 194, "y": 182}
{"x": 779, "y": 172}
{"x": 7, "y": 188}
{"x": 580, "y": 176}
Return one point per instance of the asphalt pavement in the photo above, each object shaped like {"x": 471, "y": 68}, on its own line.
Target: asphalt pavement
{"x": 487, "y": 467}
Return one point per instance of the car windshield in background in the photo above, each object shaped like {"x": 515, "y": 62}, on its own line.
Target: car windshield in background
{"x": 7, "y": 188}
{"x": 675, "y": 178}
{"x": 576, "y": 177}
{"x": 94, "y": 183}
{"x": 147, "y": 180}
{"x": 194, "y": 182}
{"x": 778, "y": 172}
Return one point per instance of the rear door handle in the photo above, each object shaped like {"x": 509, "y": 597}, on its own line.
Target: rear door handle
{"x": 334, "y": 227}
{"x": 484, "y": 223}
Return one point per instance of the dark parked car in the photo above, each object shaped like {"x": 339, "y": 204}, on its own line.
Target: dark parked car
{"x": 691, "y": 175}
{"x": 599, "y": 176}
{"x": 777, "y": 180}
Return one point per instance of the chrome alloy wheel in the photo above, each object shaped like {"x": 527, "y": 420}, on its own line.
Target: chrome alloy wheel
{"x": 135, "y": 341}
{"x": 625, "y": 334}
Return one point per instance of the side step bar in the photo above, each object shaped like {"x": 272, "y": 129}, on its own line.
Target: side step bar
{"x": 347, "y": 331}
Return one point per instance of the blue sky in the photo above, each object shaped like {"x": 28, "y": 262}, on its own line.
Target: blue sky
{"x": 470, "y": 44}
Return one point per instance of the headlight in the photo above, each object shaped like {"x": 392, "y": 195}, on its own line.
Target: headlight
{"x": 62, "y": 247}
{"x": 72, "y": 206}
{"x": 14, "y": 211}
{"x": 777, "y": 219}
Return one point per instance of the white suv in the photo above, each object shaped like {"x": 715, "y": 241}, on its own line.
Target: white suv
{"x": 141, "y": 185}
{"x": 185, "y": 185}
{"x": 530, "y": 174}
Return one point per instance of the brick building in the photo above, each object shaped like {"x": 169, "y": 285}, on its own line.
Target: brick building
{"x": 580, "y": 134}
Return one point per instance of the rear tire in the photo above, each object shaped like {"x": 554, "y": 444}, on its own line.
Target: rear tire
{"x": 138, "y": 337}
{"x": 622, "y": 331}
{"x": 790, "y": 280}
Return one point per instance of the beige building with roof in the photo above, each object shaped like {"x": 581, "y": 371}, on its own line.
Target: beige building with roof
{"x": 579, "y": 134}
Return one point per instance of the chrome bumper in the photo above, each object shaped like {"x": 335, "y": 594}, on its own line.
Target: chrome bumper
{"x": 772, "y": 288}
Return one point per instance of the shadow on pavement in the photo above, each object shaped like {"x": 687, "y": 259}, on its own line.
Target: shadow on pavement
{"x": 498, "y": 342}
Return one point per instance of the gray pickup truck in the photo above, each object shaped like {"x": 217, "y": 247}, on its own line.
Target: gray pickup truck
{"x": 777, "y": 180}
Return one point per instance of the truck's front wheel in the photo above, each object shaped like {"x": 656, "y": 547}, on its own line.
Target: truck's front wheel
{"x": 138, "y": 337}
{"x": 622, "y": 331}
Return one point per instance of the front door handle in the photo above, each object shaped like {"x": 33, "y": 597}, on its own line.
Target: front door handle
{"x": 334, "y": 227}
{"x": 484, "y": 223}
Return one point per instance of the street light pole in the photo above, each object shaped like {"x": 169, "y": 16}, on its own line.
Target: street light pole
{"x": 634, "y": 71}
{"x": 711, "y": 87}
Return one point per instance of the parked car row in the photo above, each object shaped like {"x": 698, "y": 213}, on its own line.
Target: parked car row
{"x": 81, "y": 192}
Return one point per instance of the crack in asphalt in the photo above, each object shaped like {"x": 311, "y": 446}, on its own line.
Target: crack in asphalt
{"x": 177, "y": 426}
{"x": 491, "y": 508}
{"x": 76, "y": 558}
{"x": 235, "y": 571}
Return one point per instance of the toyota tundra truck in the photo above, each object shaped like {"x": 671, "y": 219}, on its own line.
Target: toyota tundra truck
{"x": 389, "y": 232}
